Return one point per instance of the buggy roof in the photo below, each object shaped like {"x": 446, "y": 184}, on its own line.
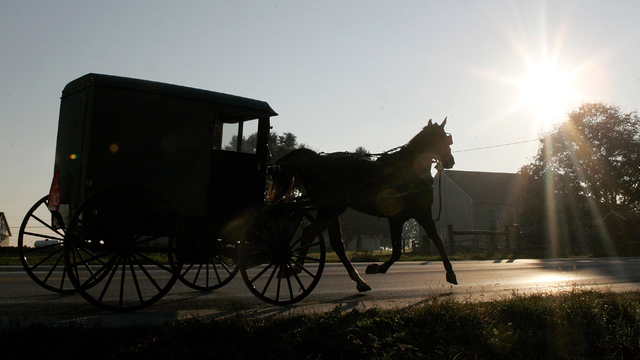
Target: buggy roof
{"x": 242, "y": 107}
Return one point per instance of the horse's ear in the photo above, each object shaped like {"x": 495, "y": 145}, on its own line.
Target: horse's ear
{"x": 430, "y": 123}
{"x": 443, "y": 122}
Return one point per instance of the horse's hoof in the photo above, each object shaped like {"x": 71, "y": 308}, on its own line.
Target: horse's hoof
{"x": 451, "y": 278}
{"x": 372, "y": 269}
{"x": 363, "y": 287}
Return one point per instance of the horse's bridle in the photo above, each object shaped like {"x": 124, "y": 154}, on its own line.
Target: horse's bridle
{"x": 440, "y": 169}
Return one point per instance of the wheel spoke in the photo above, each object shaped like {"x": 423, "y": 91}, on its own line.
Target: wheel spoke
{"x": 303, "y": 268}
{"x": 278, "y": 287}
{"x": 261, "y": 273}
{"x": 113, "y": 272}
{"x": 135, "y": 278}
{"x": 110, "y": 265}
{"x": 53, "y": 268}
{"x": 224, "y": 266}
{"x": 266, "y": 286}
{"x": 302, "y": 287}
{"x": 293, "y": 227}
{"x": 93, "y": 257}
{"x": 46, "y": 224}
{"x": 155, "y": 262}
{"x": 45, "y": 259}
{"x": 122, "y": 278}
{"x": 308, "y": 236}
{"x": 87, "y": 262}
{"x": 215, "y": 270}
{"x": 44, "y": 236}
{"x": 148, "y": 275}
{"x": 289, "y": 268}
{"x": 185, "y": 271}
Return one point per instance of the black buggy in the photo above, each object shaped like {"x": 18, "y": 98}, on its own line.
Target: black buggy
{"x": 155, "y": 183}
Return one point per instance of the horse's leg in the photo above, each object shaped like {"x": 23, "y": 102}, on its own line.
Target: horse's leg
{"x": 395, "y": 228}
{"x": 429, "y": 227}
{"x": 335, "y": 238}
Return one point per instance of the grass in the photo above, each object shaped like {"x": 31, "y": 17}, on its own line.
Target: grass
{"x": 579, "y": 324}
{"x": 10, "y": 256}
{"x": 381, "y": 256}
{"x": 573, "y": 325}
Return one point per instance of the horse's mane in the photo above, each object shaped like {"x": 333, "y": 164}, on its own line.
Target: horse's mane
{"x": 408, "y": 151}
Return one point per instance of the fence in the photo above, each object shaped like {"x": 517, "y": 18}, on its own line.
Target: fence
{"x": 509, "y": 234}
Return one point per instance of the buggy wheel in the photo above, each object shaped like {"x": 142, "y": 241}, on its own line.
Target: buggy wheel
{"x": 212, "y": 269}
{"x": 40, "y": 246}
{"x": 119, "y": 249}
{"x": 282, "y": 254}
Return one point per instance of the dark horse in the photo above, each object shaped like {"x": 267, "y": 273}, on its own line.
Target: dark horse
{"x": 397, "y": 186}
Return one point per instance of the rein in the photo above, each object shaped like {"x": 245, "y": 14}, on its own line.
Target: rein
{"x": 440, "y": 168}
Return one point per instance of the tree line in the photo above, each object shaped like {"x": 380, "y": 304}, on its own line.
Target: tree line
{"x": 585, "y": 167}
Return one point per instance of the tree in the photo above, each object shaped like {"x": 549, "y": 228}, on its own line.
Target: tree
{"x": 279, "y": 145}
{"x": 586, "y": 166}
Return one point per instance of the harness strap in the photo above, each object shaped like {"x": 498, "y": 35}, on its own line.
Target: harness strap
{"x": 440, "y": 168}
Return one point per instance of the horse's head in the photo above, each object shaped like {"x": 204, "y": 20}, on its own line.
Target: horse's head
{"x": 435, "y": 141}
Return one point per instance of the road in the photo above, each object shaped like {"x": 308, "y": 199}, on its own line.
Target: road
{"x": 406, "y": 284}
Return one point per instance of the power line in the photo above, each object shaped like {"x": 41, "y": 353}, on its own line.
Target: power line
{"x": 496, "y": 146}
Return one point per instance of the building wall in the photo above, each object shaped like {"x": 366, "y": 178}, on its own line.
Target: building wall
{"x": 494, "y": 216}
{"x": 4, "y": 231}
{"x": 457, "y": 208}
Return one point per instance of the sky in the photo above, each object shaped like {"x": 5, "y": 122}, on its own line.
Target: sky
{"x": 340, "y": 74}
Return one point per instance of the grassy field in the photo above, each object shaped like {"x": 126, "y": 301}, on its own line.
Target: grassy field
{"x": 9, "y": 256}
{"x": 574, "y": 325}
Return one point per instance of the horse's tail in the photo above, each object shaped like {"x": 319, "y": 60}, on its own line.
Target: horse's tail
{"x": 284, "y": 182}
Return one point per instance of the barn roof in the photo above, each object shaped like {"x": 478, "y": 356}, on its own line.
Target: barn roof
{"x": 490, "y": 187}
{"x": 626, "y": 216}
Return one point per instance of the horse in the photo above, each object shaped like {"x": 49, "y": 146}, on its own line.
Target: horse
{"x": 397, "y": 185}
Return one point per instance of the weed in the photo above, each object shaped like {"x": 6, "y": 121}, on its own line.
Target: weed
{"x": 577, "y": 324}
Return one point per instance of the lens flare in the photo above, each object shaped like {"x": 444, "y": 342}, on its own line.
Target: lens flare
{"x": 560, "y": 212}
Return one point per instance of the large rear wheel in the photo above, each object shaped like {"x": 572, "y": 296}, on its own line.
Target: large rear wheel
{"x": 119, "y": 248}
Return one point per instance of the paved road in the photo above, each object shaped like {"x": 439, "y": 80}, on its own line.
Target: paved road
{"x": 406, "y": 284}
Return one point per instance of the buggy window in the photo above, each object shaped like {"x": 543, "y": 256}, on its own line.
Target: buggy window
{"x": 238, "y": 136}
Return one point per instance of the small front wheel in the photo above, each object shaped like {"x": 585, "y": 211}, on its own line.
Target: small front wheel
{"x": 282, "y": 254}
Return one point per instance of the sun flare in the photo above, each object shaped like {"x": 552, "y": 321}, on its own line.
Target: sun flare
{"x": 546, "y": 90}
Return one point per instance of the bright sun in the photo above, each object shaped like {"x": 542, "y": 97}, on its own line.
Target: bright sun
{"x": 546, "y": 90}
